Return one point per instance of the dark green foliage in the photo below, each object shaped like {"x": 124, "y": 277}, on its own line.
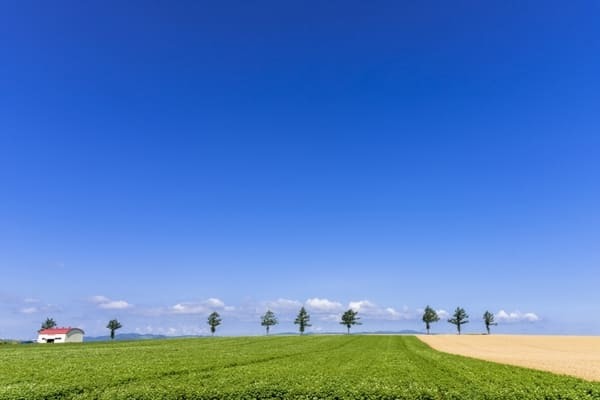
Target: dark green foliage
{"x": 488, "y": 319}
{"x": 268, "y": 320}
{"x": 213, "y": 321}
{"x": 302, "y": 320}
{"x": 350, "y": 318}
{"x": 459, "y": 318}
{"x": 113, "y": 325}
{"x": 429, "y": 316}
{"x": 312, "y": 367}
{"x": 48, "y": 323}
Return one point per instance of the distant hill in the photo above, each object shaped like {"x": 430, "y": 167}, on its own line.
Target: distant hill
{"x": 124, "y": 336}
{"x": 137, "y": 336}
{"x": 402, "y": 332}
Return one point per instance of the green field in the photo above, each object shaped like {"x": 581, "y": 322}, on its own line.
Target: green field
{"x": 357, "y": 367}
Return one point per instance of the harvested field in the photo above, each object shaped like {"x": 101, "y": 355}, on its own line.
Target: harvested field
{"x": 572, "y": 355}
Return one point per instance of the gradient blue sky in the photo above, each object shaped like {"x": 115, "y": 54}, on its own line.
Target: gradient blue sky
{"x": 160, "y": 160}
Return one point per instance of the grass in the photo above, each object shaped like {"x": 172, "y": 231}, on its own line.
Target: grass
{"x": 332, "y": 367}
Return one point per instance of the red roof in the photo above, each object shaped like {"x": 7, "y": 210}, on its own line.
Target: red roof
{"x": 55, "y": 331}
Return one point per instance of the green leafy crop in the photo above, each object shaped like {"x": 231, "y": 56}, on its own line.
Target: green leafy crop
{"x": 308, "y": 367}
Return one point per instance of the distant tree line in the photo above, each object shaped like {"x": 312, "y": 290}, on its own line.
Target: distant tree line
{"x": 459, "y": 318}
{"x": 349, "y": 319}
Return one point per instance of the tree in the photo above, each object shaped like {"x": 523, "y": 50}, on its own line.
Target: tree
{"x": 429, "y": 316}
{"x": 268, "y": 320}
{"x": 302, "y": 320}
{"x": 488, "y": 318}
{"x": 113, "y": 325}
{"x": 350, "y": 318}
{"x": 459, "y": 318}
{"x": 49, "y": 323}
{"x": 214, "y": 320}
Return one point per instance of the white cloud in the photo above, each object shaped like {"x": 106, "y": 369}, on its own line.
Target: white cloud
{"x": 362, "y": 305}
{"x": 180, "y": 330}
{"x": 323, "y": 305}
{"x": 99, "y": 299}
{"x": 114, "y": 305}
{"x": 213, "y": 302}
{"x": 531, "y": 317}
{"x": 34, "y": 306}
{"x": 393, "y": 314}
{"x": 516, "y": 316}
{"x": 202, "y": 307}
{"x": 189, "y": 308}
{"x": 368, "y": 309}
{"x": 392, "y": 311}
{"x": 105, "y": 303}
{"x": 329, "y": 310}
{"x": 283, "y": 305}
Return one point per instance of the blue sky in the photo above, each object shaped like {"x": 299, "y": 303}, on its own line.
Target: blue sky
{"x": 159, "y": 161}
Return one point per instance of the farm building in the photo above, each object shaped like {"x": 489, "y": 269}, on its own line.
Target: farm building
{"x": 60, "y": 335}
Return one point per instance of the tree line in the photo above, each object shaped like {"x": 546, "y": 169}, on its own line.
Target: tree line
{"x": 349, "y": 318}
{"x": 459, "y": 318}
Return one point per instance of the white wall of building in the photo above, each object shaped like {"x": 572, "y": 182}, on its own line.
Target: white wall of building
{"x": 75, "y": 335}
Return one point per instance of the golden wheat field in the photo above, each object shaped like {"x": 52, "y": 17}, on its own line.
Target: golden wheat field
{"x": 572, "y": 355}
